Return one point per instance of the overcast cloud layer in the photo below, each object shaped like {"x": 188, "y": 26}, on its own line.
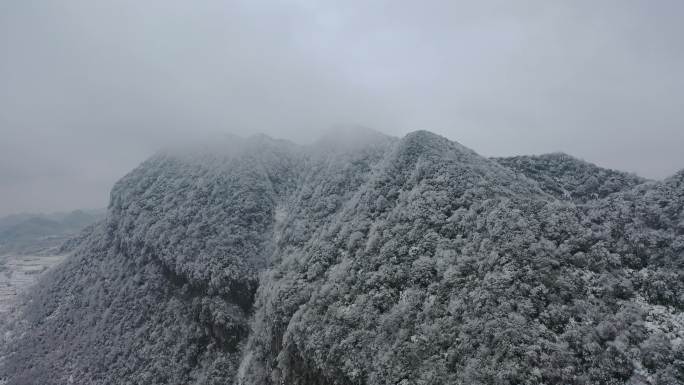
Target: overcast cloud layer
{"x": 90, "y": 88}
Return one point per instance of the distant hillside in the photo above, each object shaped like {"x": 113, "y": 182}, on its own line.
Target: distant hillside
{"x": 33, "y": 233}
{"x": 566, "y": 177}
{"x": 364, "y": 259}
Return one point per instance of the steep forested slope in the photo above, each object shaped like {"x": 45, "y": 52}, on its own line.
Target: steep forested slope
{"x": 161, "y": 290}
{"x": 365, "y": 261}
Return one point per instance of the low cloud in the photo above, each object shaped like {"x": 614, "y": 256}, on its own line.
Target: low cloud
{"x": 90, "y": 89}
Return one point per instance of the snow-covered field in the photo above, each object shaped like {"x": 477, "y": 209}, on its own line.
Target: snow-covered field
{"x": 18, "y": 272}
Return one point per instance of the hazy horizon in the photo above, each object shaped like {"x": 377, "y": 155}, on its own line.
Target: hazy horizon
{"x": 91, "y": 89}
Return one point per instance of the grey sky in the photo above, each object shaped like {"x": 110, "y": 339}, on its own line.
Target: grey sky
{"x": 89, "y": 88}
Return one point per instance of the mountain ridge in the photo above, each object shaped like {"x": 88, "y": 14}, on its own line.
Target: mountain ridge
{"x": 407, "y": 260}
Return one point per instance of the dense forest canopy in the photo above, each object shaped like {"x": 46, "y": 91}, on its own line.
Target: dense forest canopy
{"x": 364, "y": 259}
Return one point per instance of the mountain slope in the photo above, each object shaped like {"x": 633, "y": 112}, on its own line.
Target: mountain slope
{"x": 163, "y": 287}
{"x": 566, "y": 177}
{"x": 373, "y": 261}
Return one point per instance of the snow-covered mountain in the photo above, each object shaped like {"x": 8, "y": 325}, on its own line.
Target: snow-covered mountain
{"x": 364, "y": 259}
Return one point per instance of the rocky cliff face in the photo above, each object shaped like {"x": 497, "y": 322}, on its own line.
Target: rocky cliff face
{"x": 364, "y": 261}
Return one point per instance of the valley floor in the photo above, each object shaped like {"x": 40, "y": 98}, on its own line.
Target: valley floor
{"x": 19, "y": 272}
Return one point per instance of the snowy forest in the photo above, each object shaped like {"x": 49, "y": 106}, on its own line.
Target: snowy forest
{"x": 363, "y": 259}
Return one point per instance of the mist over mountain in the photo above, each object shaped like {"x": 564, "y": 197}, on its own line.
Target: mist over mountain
{"x": 363, "y": 259}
